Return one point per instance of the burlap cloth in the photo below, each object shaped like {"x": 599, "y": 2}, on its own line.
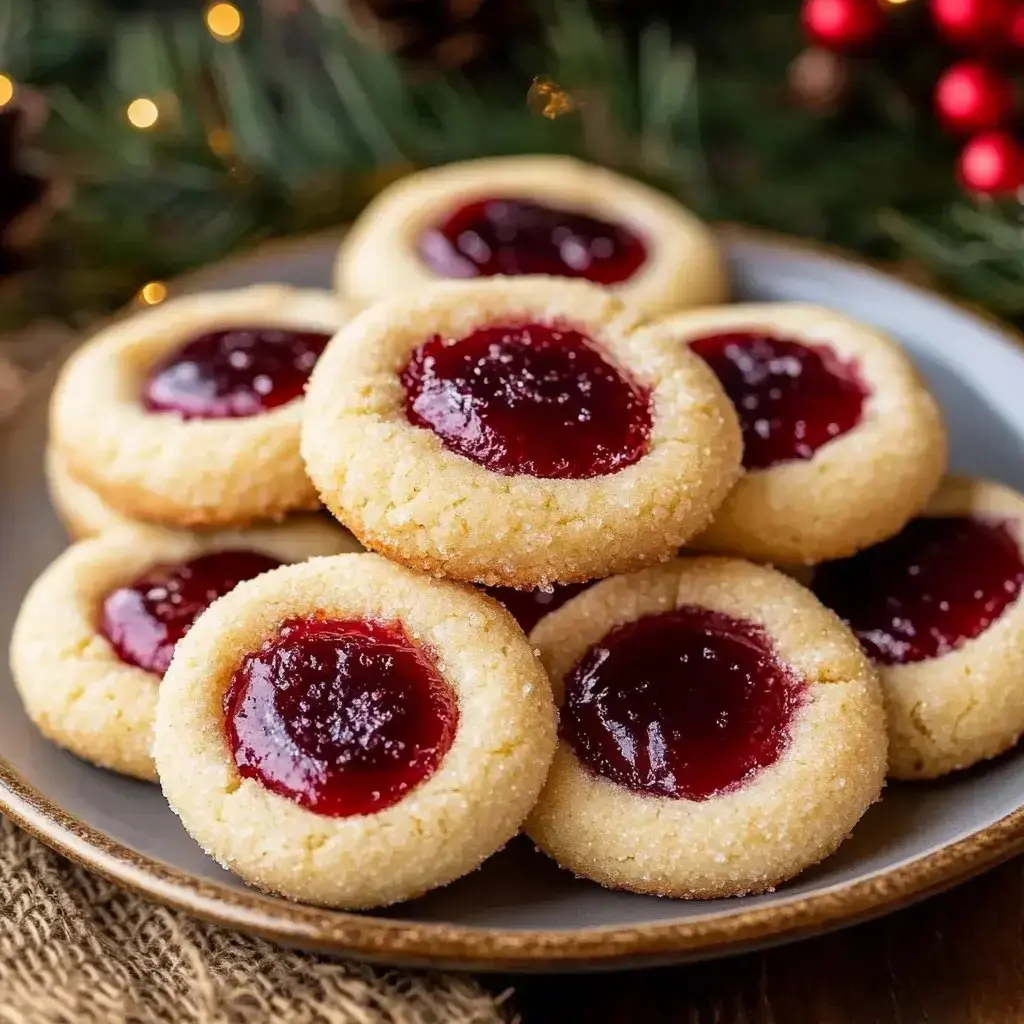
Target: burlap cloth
{"x": 75, "y": 949}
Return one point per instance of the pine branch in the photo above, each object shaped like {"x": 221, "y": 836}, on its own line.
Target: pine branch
{"x": 298, "y": 108}
{"x": 297, "y": 124}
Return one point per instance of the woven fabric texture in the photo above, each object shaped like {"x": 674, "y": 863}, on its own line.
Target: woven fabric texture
{"x": 75, "y": 949}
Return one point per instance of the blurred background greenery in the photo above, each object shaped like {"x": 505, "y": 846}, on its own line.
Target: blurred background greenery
{"x": 141, "y": 139}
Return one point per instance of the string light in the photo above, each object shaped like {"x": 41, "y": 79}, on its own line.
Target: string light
{"x": 219, "y": 140}
{"x": 142, "y": 113}
{"x": 895, "y": 3}
{"x": 153, "y": 293}
{"x": 6, "y": 90}
{"x": 224, "y": 22}
{"x": 549, "y": 99}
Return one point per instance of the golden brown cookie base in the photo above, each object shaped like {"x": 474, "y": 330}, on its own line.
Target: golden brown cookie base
{"x": 439, "y": 830}
{"x": 160, "y": 468}
{"x": 789, "y": 816}
{"x": 73, "y": 685}
{"x": 856, "y": 490}
{"x": 402, "y": 493}
{"x": 379, "y": 258}
{"x": 953, "y": 711}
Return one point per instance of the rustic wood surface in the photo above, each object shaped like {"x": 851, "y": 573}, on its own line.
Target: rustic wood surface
{"x": 954, "y": 959}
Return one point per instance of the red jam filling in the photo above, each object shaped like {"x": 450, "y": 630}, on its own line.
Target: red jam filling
{"x": 923, "y": 593}
{"x": 242, "y": 371}
{"x": 528, "y": 607}
{"x": 791, "y": 398}
{"x": 144, "y": 620}
{"x": 528, "y": 399}
{"x": 687, "y": 704}
{"x": 342, "y": 717}
{"x": 520, "y": 236}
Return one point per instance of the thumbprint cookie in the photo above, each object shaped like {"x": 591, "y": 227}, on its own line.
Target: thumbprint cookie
{"x": 938, "y": 608}
{"x": 85, "y": 514}
{"x": 720, "y": 731}
{"x": 188, "y": 414}
{"x": 96, "y": 631}
{"x": 517, "y": 432}
{"x": 350, "y": 733}
{"x": 82, "y": 511}
{"x": 531, "y": 215}
{"x": 842, "y": 442}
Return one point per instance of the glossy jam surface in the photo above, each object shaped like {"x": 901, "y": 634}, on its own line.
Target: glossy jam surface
{"x": 687, "y": 704}
{"x": 791, "y": 398}
{"x": 144, "y": 620}
{"x": 924, "y": 592}
{"x": 528, "y": 399}
{"x": 239, "y": 372}
{"x": 521, "y": 236}
{"x": 528, "y": 607}
{"x": 342, "y": 717}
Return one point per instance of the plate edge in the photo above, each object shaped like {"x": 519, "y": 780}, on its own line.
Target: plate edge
{"x": 480, "y": 949}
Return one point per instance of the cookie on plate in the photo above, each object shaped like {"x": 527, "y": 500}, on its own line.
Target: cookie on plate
{"x": 350, "y": 733}
{"x": 842, "y": 441}
{"x": 939, "y": 609}
{"x": 96, "y": 631}
{"x": 517, "y": 432}
{"x": 85, "y": 514}
{"x": 82, "y": 511}
{"x": 188, "y": 414}
{"x": 531, "y": 215}
{"x": 720, "y": 731}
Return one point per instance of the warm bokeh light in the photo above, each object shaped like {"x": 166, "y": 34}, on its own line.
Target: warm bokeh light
{"x": 895, "y": 3}
{"x": 153, "y": 293}
{"x": 549, "y": 99}
{"x": 6, "y": 90}
{"x": 143, "y": 113}
{"x": 219, "y": 140}
{"x": 224, "y": 22}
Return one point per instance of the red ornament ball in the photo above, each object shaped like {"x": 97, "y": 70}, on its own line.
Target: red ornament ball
{"x": 973, "y": 22}
{"x": 992, "y": 162}
{"x": 1015, "y": 33}
{"x": 841, "y": 24}
{"x": 972, "y": 96}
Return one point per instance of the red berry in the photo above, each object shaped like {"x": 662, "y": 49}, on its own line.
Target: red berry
{"x": 992, "y": 162}
{"x": 972, "y": 96}
{"x": 973, "y": 22}
{"x": 841, "y": 24}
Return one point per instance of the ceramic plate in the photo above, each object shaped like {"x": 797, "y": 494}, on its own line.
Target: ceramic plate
{"x": 520, "y": 911}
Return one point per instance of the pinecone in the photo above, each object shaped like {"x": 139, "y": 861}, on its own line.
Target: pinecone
{"x": 441, "y": 34}
{"x": 21, "y": 194}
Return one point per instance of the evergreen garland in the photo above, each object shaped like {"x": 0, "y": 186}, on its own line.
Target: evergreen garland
{"x": 297, "y": 123}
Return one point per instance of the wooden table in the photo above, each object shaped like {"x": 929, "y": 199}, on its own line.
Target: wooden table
{"x": 955, "y": 959}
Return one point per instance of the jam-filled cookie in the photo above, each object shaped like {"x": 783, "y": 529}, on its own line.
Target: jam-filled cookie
{"x": 96, "y": 631}
{"x": 531, "y": 215}
{"x": 938, "y": 608}
{"x": 842, "y": 442}
{"x": 517, "y": 432}
{"x": 350, "y": 733}
{"x": 188, "y": 414}
{"x": 82, "y": 511}
{"x": 720, "y": 731}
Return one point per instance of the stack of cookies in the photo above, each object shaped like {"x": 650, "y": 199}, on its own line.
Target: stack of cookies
{"x": 371, "y": 582}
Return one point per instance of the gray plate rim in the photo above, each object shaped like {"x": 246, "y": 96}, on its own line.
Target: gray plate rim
{"x": 481, "y": 948}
